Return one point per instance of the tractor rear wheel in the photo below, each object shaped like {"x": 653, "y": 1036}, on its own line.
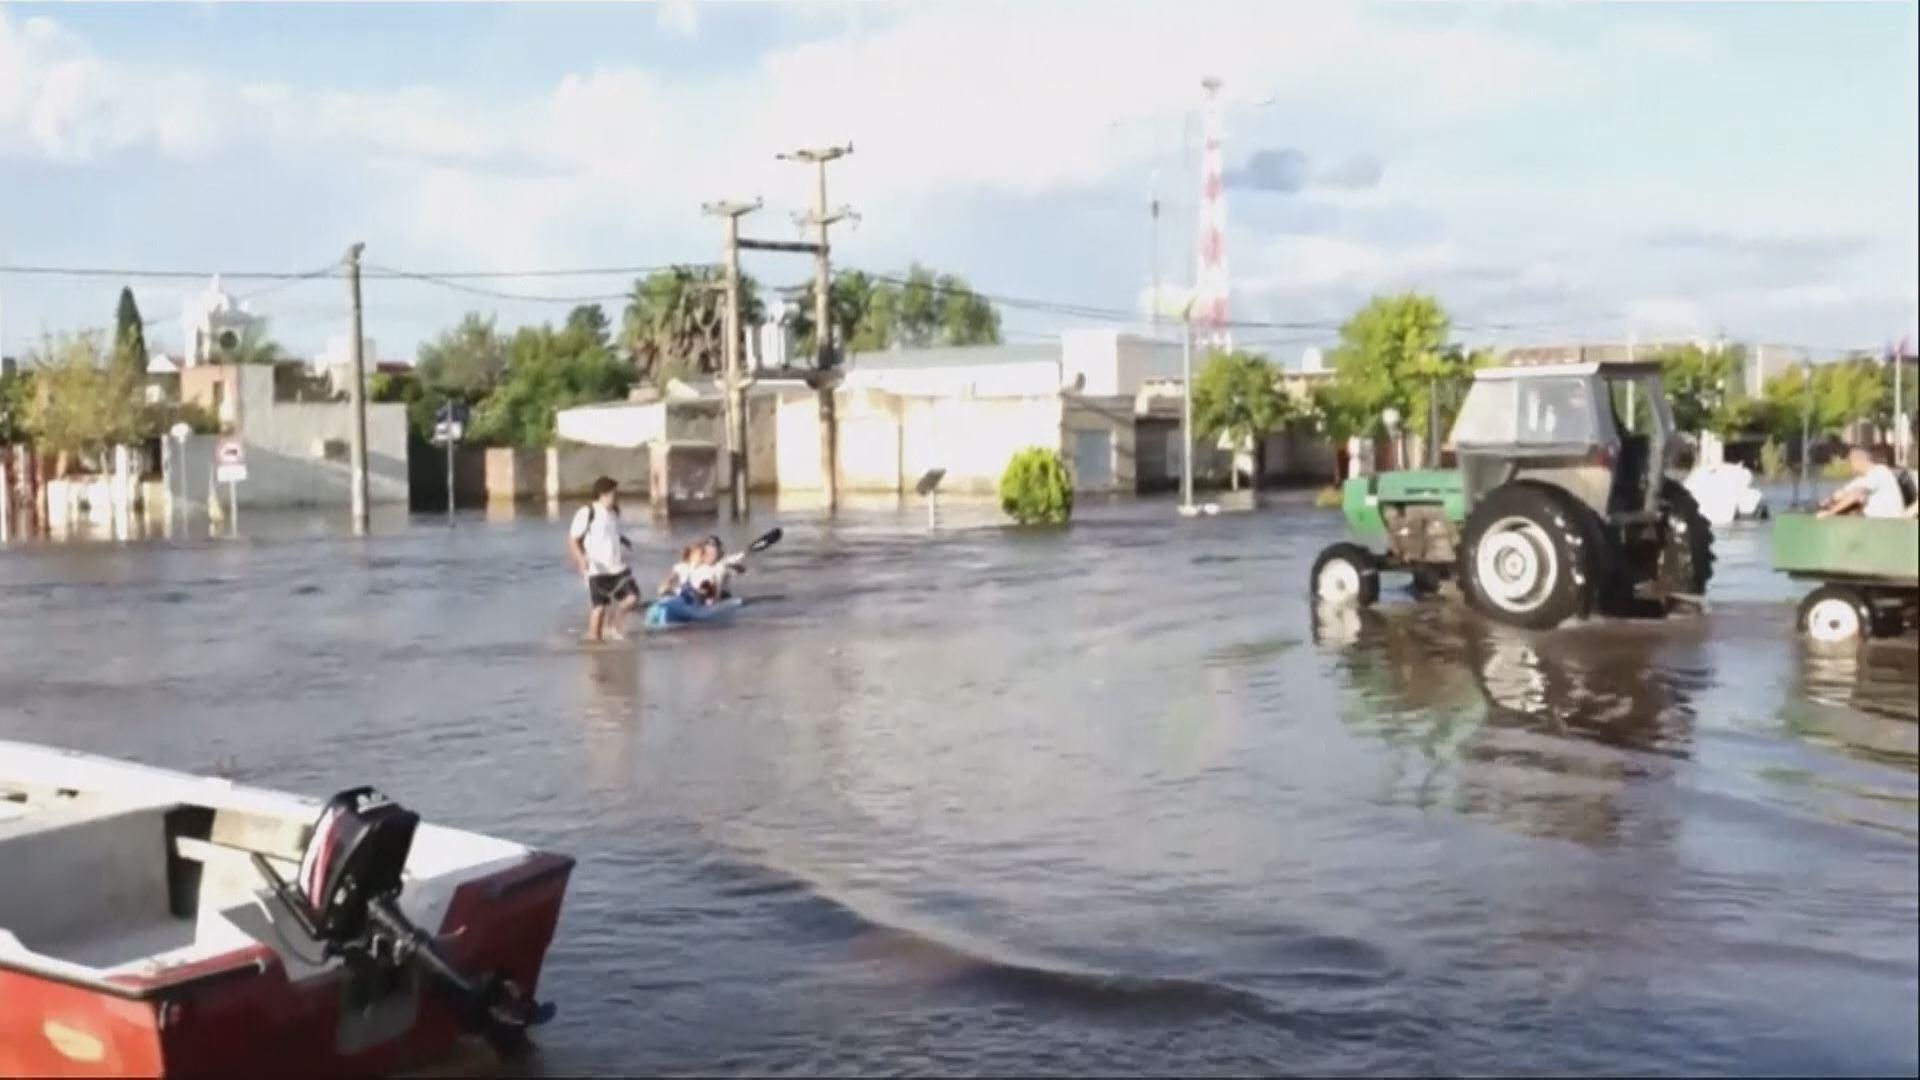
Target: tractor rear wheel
{"x": 1686, "y": 557}
{"x": 1525, "y": 558}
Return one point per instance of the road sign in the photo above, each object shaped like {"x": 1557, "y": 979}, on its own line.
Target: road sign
{"x": 450, "y": 422}
{"x": 230, "y": 461}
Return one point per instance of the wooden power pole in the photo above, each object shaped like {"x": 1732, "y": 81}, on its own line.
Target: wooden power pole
{"x": 736, "y": 385}
{"x": 357, "y": 397}
{"x": 825, "y": 356}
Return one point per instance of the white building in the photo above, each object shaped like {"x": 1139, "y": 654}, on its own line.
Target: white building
{"x": 213, "y": 320}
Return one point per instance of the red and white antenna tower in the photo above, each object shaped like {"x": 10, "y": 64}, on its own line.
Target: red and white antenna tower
{"x": 1210, "y": 277}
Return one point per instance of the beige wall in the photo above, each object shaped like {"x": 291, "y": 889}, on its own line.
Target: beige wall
{"x": 887, "y": 442}
{"x": 868, "y": 422}
{"x": 516, "y": 472}
{"x": 796, "y": 442}
{"x": 572, "y": 469}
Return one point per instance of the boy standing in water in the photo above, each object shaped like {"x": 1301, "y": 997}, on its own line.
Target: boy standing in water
{"x": 595, "y": 543}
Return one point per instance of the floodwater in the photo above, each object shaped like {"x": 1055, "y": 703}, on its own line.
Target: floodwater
{"x": 1108, "y": 800}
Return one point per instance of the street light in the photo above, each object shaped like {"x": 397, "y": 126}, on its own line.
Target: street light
{"x": 180, "y": 431}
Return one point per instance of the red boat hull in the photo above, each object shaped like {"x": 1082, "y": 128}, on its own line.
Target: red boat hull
{"x": 237, "y": 1014}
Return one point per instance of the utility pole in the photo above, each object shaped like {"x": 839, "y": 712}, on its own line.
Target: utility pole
{"x": 1186, "y": 409}
{"x": 736, "y": 386}
{"x": 1153, "y": 255}
{"x": 825, "y": 355}
{"x": 357, "y": 395}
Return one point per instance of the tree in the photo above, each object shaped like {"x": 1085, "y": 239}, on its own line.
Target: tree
{"x": 674, "y": 321}
{"x": 589, "y": 322}
{"x": 1696, "y": 384}
{"x": 16, "y": 401}
{"x": 547, "y": 371}
{"x": 1341, "y": 416}
{"x": 1392, "y": 353}
{"x": 1849, "y": 391}
{"x": 1825, "y": 399}
{"x": 465, "y": 362}
{"x": 83, "y": 404}
{"x": 129, "y": 333}
{"x": 1037, "y": 489}
{"x": 1235, "y": 396}
{"x": 923, "y": 309}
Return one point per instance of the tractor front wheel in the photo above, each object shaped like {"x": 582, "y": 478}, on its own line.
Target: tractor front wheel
{"x": 1346, "y": 574}
{"x": 1524, "y": 558}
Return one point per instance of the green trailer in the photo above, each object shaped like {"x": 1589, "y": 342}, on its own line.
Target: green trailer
{"x": 1868, "y": 571}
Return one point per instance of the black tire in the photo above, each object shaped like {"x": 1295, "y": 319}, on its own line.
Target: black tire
{"x": 1355, "y": 576}
{"x": 1686, "y": 555}
{"x": 1426, "y": 581}
{"x": 1836, "y": 615}
{"x": 1544, "y": 541}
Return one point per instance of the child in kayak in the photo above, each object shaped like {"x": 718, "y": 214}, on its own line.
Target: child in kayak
{"x": 679, "y": 580}
{"x": 716, "y": 568}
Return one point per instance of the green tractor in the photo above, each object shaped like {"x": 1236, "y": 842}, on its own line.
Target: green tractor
{"x": 1562, "y": 506}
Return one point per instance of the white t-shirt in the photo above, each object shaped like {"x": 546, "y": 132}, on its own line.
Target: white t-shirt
{"x": 598, "y": 530}
{"x": 716, "y": 573}
{"x": 1882, "y": 490}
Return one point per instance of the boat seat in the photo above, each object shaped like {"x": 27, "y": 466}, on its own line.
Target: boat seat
{"x": 91, "y": 871}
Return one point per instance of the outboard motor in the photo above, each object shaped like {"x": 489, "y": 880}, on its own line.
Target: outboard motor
{"x": 348, "y": 899}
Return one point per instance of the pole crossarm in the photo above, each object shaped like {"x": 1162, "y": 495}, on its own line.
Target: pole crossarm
{"x": 795, "y": 247}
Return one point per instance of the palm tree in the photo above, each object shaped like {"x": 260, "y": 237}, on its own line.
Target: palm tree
{"x": 673, "y": 323}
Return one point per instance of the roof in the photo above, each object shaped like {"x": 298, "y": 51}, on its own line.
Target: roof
{"x": 1533, "y": 369}
{"x": 955, "y": 356}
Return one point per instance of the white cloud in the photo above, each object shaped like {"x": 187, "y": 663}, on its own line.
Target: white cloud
{"x": 943, "y": 101}
{"x": 681, "y": 17}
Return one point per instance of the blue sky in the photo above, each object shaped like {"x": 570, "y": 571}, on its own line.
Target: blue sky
{"x": 1550, "y": 171}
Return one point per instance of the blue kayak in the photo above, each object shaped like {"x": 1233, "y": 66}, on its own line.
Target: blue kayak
{"x": 674, "y": 611}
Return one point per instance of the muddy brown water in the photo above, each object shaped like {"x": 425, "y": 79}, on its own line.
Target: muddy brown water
{"x": 1113, "y": 800}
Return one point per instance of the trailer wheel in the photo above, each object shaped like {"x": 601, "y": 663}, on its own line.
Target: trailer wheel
{"x": 1346, "y": 574}
{"x": 1836, "y": 615}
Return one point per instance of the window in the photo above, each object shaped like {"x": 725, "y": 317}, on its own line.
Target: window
{"x": 1538, "y": 412}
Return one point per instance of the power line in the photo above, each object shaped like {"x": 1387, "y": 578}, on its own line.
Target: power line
{"x": 446, "y": 282}
{"x": 330, "y": 271}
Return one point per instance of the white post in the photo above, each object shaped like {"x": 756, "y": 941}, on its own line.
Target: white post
{"x": 1186, "y": 410}
{"x": 1899, "y": 409}
{"x": 233, "y": 500}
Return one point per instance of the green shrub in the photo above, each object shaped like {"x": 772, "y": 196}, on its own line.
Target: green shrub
{"x": 1328, "y": 498}
{"x": 1773, "y": 459}
{"x": 1036, "y": 489}
{"x": 1837, "y": 468}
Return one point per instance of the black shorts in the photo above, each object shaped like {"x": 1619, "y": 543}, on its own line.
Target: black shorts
{"x": 605, "y": 589}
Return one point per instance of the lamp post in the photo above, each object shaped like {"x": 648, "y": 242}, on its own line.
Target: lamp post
{"x": 1186, "y": 407}
{"x": 180, "y": 433}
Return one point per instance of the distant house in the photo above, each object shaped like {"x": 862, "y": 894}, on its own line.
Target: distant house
{"x": 1107, "y": 401}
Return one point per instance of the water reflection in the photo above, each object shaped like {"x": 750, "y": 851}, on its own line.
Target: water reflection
{"x": 1863, "y": 700}
{"x": 1541, "y": 731}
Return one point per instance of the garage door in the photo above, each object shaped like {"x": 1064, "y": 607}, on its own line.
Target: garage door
{"x": 1093, "y": 460}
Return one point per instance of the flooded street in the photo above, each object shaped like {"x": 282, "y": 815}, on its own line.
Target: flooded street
{"x": 1108, "y": 800}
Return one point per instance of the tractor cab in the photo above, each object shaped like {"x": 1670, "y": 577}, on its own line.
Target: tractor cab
{"x": 1600, "y": 431}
